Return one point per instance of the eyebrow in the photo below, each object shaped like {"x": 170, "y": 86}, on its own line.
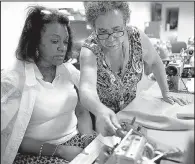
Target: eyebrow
{"x": 102, "y": 29}
{"x": 114, "y": 28}
{"x": 59, "y": 36}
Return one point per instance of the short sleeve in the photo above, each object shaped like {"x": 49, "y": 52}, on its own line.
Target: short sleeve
{"x": 92, "y": 44}
{"x": 10, "y": 96}
{"x": 74, "y": 73}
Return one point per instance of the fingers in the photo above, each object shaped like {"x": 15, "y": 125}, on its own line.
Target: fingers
{"x": 111, "y": 129}
{"x": 105, "y": 127}
{"x": 183, "y": 101}
{"x": 180, "y": 101}
{"x": 112, "y": 125}
{"x": 172, "y": 100}
{"x": 100, "y": 128}
{"x": 177, "y": 101}
{"x": 115, "y": 121}
{"x": 169, "y": 100}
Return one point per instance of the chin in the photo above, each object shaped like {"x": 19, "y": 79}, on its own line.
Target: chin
{"x": 58, "y": 63}
{"x": 113, "y": 48}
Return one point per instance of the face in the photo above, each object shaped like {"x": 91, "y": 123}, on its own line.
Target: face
{"x": 111, "y": 22}
{"x": 53, "y": 44}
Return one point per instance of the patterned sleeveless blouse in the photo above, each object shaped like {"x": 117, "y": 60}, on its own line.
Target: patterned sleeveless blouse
{"x": 116, "y": 91}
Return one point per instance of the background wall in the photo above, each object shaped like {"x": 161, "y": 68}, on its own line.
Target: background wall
{"x": 13, "y": 15}
{"x": 11, "y": 24}
{"x": 185, "y": 22}
{"x": 140, "y": 13}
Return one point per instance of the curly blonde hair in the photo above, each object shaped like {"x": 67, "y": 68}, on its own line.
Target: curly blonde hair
{"x": 95, "y": 8}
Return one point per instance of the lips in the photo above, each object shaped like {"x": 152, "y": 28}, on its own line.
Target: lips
{"x": 112, "y": 46}
{"x": 59, "y": 57}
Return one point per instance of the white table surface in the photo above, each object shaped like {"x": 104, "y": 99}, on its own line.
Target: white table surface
{"x": 172, "y": 138}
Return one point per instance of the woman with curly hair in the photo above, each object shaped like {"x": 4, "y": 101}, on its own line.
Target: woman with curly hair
{"x": 42, "y": 120}
{"x": 112, "y": 61}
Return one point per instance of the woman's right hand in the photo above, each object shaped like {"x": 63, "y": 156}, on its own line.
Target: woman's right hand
{"x": 68, "y": 152}
{"x": 107, "y": 123}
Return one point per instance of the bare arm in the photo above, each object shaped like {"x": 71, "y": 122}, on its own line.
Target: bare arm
{"x": 106, "y": 119}
{"x": 88, "y": 79}
{"x": 84, "y": 120}
{"x": 153, "y": 60}
{"x": 32, "y": 146}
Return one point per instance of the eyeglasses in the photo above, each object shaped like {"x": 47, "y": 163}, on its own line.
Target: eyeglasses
{"x": 114, "y": 34}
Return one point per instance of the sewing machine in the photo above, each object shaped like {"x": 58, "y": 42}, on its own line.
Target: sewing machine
{"x": 133, "y": 149}
{"x": 181, "y": 71}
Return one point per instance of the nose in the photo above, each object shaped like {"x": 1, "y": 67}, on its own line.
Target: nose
{"x": 62, "y": 47}
{"x": 111, "y": 38}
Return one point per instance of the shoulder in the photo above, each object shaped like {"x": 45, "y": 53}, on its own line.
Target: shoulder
{"x": 14, "y": 74}
{"x": 145, "y": 41}
{"x": 139, "y": 35}
{"x": 90, "y": 39}
{"x": 10, "y": 84}
{"x": 13, "y": 77}
{"x": 92, "y": 44}
{"x": 148, "y": 49}
{"x": 133, "y": 31}
{"x": 10, "y": 77}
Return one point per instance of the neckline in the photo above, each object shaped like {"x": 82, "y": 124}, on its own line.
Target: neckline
{"x": 121, "y": 77}
{"x": 58, "y": 72}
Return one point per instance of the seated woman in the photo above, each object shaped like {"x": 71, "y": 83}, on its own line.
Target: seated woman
{"x": 41, "y": 118}
{"x": 113, "y": 59}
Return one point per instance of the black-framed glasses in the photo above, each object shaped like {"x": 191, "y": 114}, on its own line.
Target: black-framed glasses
{"x": 114, "y": 34}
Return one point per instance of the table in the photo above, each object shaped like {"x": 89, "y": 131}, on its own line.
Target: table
{"x": 173, "y": 138}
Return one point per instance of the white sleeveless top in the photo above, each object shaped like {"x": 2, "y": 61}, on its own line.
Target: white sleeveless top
{"x": 53, "y": 119}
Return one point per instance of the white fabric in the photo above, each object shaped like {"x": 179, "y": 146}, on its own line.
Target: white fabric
{"x": 19, "y": 88}
{"x": 53, "y": 116}
{"x": 152, "y": 112}
{"x": 21, "y": 101}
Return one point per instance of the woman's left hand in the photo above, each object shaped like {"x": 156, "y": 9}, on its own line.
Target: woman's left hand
{"x": 174, "y": 99}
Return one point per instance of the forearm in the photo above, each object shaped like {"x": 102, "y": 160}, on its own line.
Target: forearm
{"x": 158, "y": 70}
{"x": 85, "y": 123}
{"x": 31, "y": 146}
{"x": 91, "y": 102}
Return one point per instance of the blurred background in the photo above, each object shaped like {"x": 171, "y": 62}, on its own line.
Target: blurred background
{"x": 169, "y": 25}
